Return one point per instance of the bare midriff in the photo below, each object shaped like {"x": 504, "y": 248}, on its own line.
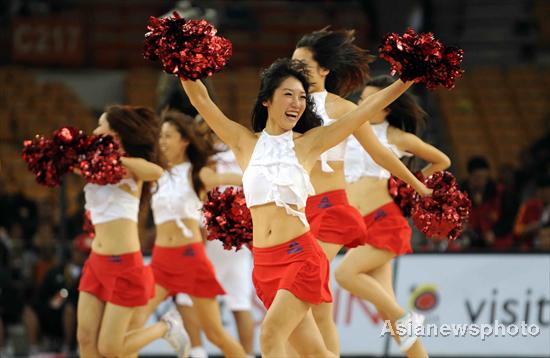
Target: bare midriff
{"x": 169, "y": 234}
{"x": 273, "y": 226}
{"x": 323, "y": 181}
{"x": 368, "y": 194}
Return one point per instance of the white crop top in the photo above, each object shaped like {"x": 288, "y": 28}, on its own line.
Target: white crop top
{"x": 175, "y": 199}
{"x": 226, "y": 162}
{"x": 359, "y": 163}
{"x": 337, "y": 152}
{"x": 275, "y": 175}
{"x": 110, "y": 202}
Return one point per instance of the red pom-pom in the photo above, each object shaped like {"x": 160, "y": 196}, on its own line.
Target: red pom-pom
{"x": 50, "y": 159}
{"x": 443, "y": 214}
{"x": 189, "y": 49}
{"x": 422, "y": 58}
{"x": 40, "y": 155}
{"x": 402, "y": 193}
{"x": 100, "y": 162}
{"x": 228, "y": 218}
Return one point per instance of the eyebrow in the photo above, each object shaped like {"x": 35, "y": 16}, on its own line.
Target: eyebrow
{"x": 291, "y": 90}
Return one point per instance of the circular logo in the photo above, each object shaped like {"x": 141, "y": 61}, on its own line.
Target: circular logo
{"x": 424, "y": 298}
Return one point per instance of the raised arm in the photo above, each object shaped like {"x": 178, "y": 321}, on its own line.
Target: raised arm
{"x": 230, "y": 132}
{"x": 142, "y": 169}
{"x": 386, "y": 159}
{"x": 212, "y": 179}
{"x": 326, "y": 137}
{"x": 412, "y": 144}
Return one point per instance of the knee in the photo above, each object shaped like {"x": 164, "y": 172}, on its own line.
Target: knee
{"x": 109, "y": 349}
{"x": 344, "y": 276}
{"x": 138, "y": 320}
{"x": 214, "y": 333}
{"x": 269, "y": 334}
{"x": 86, "y": 336}
{"x": 323, "y": 314}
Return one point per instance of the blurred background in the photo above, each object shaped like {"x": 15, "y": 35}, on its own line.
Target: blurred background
{"x": 63, "y": 61}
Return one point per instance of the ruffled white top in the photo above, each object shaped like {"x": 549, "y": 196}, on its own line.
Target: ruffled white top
{"x": 110, "y": 202}
{"x": 175, "y": 199}
{"x": 275, "y": 175}
{"x": 358, "y": 163}
{"x": 336, "y": 153}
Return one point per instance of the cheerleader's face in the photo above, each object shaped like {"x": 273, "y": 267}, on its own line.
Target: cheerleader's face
{"x": 172, "y": 145}
{"x": 380, "y": 116}
{"x": 317, "y": 74}
{"x": 287, "y": 104}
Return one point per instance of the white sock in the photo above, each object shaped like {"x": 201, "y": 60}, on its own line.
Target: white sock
{"x": 198, "y": 352}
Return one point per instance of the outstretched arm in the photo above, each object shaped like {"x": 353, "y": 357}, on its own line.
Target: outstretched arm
{"x": 386, "y": 159}
{"x": 326, "y": 137}
{"x": 212, "y": 179}
{"x": 142, "y": 169}
{"x": 410, "y": 143}
{"x": 228, "y": 131}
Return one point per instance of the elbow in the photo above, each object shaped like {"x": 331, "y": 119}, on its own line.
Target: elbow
{"x": 445, "y": 163}
{"x": 156, "y": 173}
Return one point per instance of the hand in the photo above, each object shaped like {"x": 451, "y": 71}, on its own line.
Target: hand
{"x": 425, "y": 191}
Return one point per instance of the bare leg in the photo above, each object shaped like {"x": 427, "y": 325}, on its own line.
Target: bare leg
{"x": 191, "y": 324}
{"x": 142, "y": 314}
{"x": 245, "y": 327}
{"x": 114, "y": 338}
{"x": 306, "y": 339}
{"x": 208, "y": 312}
{"x": 282, "y": 318}
{"x": 383, "y": 275}
{"x": 352, "y": 275}
{"x": 90, "y": 314}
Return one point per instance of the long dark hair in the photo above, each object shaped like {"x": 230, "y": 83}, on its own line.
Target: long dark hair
{"x": 138, "y": 130}
{"x": 404, "y": 112}
{"x": 198, "y": 151}
{"x": 270, "y": 79}
{"x": 334, "y": 50}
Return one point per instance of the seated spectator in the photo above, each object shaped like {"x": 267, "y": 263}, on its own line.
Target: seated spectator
{"x": 533, "y": 216}
{"x": 486, "y": 202}
{"x": 509, "y": 205}
{"x": 52, "y": 313}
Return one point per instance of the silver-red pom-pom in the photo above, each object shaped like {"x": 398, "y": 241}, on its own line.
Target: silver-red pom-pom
{"x": 189, "y": 49}
{"x": 100, "y": 163}
{"x": 422, "y": 58}
{"x": 228, "y": 218}
{"x": 442, "y": 214}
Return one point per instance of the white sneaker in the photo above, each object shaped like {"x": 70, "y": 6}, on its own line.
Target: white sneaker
{"x": 409, "y": 323}
{"x": 176, "y": 335}
{"x": 198, "y": 352}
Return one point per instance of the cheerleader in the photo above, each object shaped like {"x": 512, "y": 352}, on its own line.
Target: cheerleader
{"x": 114, "y": 281}
{"x": 336, "y": 68}
{"x": 233, "y": 269}
{"x": 290, "y": 269}
{"x": 365, "y": 271}
{"x": 179, "y": 260}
